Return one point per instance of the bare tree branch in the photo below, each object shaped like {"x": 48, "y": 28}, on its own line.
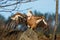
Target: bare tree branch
{"x": 14, "y": 10}
{"x": 16, "y": 3}
{"x": 3, "y": 2}
{"x": 9, "y": 4}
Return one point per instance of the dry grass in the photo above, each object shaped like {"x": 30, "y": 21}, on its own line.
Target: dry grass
{"x": 16, "y": 36}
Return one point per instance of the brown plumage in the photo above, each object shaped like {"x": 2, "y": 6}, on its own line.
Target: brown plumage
{"x": 32, "y": 22}
{"x": 18, "y": 17}
{"x": 18, "y": 14}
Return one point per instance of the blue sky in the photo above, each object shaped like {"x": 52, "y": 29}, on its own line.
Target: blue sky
{"x": 40, "y": 5}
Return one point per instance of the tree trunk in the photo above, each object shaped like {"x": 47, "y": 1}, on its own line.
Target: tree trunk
{"x": 56, "y": 21}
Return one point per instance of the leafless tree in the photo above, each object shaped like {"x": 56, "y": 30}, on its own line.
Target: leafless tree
{"x": 4, "y": 4}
